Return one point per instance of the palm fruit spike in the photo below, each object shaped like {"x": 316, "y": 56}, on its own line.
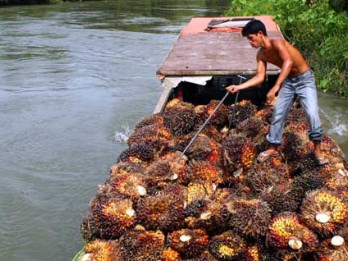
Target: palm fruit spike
{"x": 261, "y": 176}
{"x": 141, "y": 153}
{"x": 170, "y": 254}
{"x": 249, "y": 217}
{"x": 238, "y": 153}
{"x": 180, "y": 118}
{"x": 227, "y": 246}
{"x": 140, "y": 245}
{"x": 265, "y": 114}
{"x": 110, "y": 217}
{"x": 150, "y": 133}
{"x": 334, "y": 249}
{"x": 176, "y": 103}
{"x": 323, "y": 211}
{"x": 199, "y": 190}
{"x": 297, "y": 117}
{"x": 286, "y": 232}
{"x": 206, "y": 171}
{"x": 220, "y": 117}
{"x": 204, "y": 214}
{"x": 252, "y": 253}
{"x": 150, "y": 120}
{"x": 252, "y": 128}
{"x": 293, "y": 145}
{"x": 101, "y": 250}
{"x": 130, "y": 185}
{"x": 338, "y": 180}
{"x": 164, "y": 211}
{"x": 126, "y": 167}
{"x": 279, "y": 198}
{"x": 188, "y": 242}
{"x": 204, "y": 148}
{"x": 240, "y": 111}
{"x": 331, "y": 150}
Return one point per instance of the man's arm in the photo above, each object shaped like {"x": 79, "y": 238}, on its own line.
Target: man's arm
{"x": 254, "y": 81}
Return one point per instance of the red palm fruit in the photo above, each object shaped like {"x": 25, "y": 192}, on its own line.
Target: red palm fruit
{"x": 253, "y": 128}
{"x": 180, "y": 120}
{"x": 331, "y": 150}
{"x": 293, "y": 145}
{"x": 297, "y": 118}
{"x": 238, "y": 154}
{"x": 164, "y": 211}
{"x": 338, "y": 180}
{"x": 204, "y": 148}
{"x": 249, "y": 217}
{"x": 279, "y": 198}
{"x": 323, "y": 211}
{"x": 333, "y": 249}
{"x": 170, "y": 254}
{"x": 126, "y": 168}
{"x": 188, "y": 242}
{"x": 150, "y": 133}
{"x": 102, "y": 250}
{"x": 110, "y": 217}
{"x": 204, "y": 214}
{"x": 213, "y": 133}
{"x": 253, "y": 253}
{"x": 265, "y": 114}
{"x": 150, "y": 120}
{"x": 205, "y": 171}
{"x": 286, "y": 232}
{"x": 199, "y": 190}
{"x": 240, "y": 111}
{"x": 139, "y": 245}
{"x": 141, "y": 153}
{"x": 227, "y": 246}
{"x": 177, "y": 104}
{"x": 130, "y": 185}
{"x": 220, "y": 117}
{"x": 261, "y": 176}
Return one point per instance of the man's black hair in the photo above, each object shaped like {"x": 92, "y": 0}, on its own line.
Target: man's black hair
{"x": 253, "y": 27}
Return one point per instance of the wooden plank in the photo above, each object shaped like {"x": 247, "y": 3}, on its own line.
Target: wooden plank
{"x": 212, "y": 53}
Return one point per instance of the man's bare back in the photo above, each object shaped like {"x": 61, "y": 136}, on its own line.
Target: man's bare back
{"x": 271, "y": 55}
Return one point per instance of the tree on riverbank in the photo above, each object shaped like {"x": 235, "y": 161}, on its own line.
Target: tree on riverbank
{"x": 317, "y": 27}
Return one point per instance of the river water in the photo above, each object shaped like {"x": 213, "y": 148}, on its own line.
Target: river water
{"x": 74, "y": 80}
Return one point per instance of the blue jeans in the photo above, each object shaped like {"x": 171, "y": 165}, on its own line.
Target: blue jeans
{"x": 302, "y": 87}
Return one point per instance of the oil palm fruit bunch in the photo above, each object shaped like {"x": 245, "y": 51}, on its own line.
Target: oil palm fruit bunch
{"x": 338, "y": 179}
{"x": 188, "y": 242}
{"x": 227, "y": 246}
{"x": 272, "y": 172}
{"x": 164, "y": 211}
{"x": 249, "y": 217}
{"x": 286, "y": 232}
{"x": 141, "y": 153}
{"x": 151, "y": 119}
{"x": 205, "y": 171}
{"x": 204, "y": 214}
{"x": 150, "y": 133}
{"x": 265, "y": 114}
{"x": 170, "y": 254}
{"x": 253, "y": 253}
{"x": 179, "y": 117}
{"x": 129, "y": 185}
{"x": 102, "y": 250}
{"x": 199, "y": 190}
{"x": 126, "y": 168}
{"x": 139, "y": 244}
{"x": 238, "y": 154}
{"x": 110, "y": 217}
{"x": 219, "y": 118}
{"x": 323, "y": 211}
{"x": 253, "y": 128}
{"x": 332, "y": 249}
{"x": 240, "y": 111}
{"x": 203, "y": 148}
{"x": 297, "y": 120}
{"x": 279, "y": 198}
{"x": 293, "y": 145}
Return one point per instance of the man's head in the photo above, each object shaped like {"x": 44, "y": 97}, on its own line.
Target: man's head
{"x": 255, "y": 31}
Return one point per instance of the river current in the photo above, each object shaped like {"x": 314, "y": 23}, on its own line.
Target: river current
{"x": 74, "y": 80}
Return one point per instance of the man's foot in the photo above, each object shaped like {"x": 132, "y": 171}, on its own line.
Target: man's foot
{"x": 321, "y": 160}
{"x": 265, "y": 155}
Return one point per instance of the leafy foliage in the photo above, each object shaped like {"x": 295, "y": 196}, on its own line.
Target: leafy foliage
{"x": 317, "y": 28}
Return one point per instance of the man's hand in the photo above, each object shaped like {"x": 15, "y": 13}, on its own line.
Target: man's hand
{"x": 271, "y": 95}
{"x": 233, "y": 88}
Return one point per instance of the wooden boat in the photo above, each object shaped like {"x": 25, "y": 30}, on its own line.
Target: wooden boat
{"x": 229, "y": 206}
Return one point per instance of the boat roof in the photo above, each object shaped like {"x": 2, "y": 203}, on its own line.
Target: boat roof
{"x": 215, "y": 46}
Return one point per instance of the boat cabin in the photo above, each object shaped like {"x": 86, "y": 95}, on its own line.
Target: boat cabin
{"x": 210, "y": 54}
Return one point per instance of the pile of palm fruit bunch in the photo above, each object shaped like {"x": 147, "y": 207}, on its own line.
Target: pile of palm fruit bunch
{"x": 216, "y": 201}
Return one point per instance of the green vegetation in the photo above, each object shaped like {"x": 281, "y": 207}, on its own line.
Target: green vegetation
{"x": 318, "y": 28}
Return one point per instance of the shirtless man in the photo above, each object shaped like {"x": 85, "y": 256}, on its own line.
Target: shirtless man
{"x": 296, "y": 79}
